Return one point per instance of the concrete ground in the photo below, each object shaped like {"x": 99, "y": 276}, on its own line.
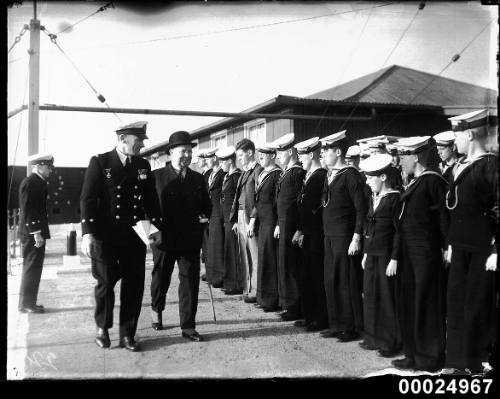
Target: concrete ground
{"x": 245, "y": 342}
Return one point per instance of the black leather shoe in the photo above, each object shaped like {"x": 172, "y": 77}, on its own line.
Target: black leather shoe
{"x": 40, "y": 307}
{"x": 250, "y": 299}
{"x": 33, "y": 309}
{"x": 268, "y": 309}
{"x": 301, "y": 323}
{"x": 330, "y": 333}
{"x": 192, "y": 335}
{"x": 203, "y": 277}
{"x": 102, "y": 338}
{"x": 348, "y": 336}
{"x": 388, "y": 353}
{"x": 289, "y": 316}
{"x": 315, "y": 326}
{"x": 129, "y": 344}
{"x": 404, "y": 363}
{"x": 217, "y": 284}
{"x": 156, "y": 321}
{"x": 233, "y": 292}
{"x": 367, "y": 346}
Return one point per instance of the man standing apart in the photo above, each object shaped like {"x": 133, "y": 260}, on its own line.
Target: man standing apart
{"x": 473, "y": 203}
{"x": 118, "y": 191}
{"x": 244, "y": 202}
{"x": 287, "y": 191}
{"x": 33, "y": 229}
{"x": 185, "y": 207}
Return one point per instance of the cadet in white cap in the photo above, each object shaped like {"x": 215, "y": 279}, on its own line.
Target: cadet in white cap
{"x": 233, "y": 275}
{"x": 287, "y": 191}
{"x": 344, "y": 213}
{"x": 244, "y": 202}
{"x": 33, "y": 229}
{"x": 205, "y": 170}
{"x": 423, "y": 225}
{"x": 214, "y": 265}
{"x": 473, "y": 203}
{"x": 380, "y": 260}
{"x": 445, "y": 144}
{"x": 353, "y": 156}
{"x": 118, "y": 191}
{"x": 263, "y": 222}
{"x": 310, "y": 237}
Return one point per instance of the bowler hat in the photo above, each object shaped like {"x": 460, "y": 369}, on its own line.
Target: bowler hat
{"x": 179, "y": 138}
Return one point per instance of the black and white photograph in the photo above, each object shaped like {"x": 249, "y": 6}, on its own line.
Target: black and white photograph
{"x": 256, "y": 190}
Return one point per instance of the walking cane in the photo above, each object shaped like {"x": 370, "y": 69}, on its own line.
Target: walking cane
{"x": 212, "y": 301}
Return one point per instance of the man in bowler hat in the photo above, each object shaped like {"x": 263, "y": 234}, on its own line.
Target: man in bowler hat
{"x": 185, "y": 206}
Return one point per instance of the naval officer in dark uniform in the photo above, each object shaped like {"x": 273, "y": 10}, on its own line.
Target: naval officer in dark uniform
{"x": 472, "y": 200}
{"x": 310, "y": 238}
{"x": 118, "y": 191}
{"x": 33, "y": 229}
{"x": 447, "y": 151}
{"x": 287, "y": 191}
{"x": 185, "y": 208}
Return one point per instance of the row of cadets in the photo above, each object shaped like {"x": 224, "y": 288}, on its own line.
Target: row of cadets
{"x": 344, "y": 212}
{"x": 205, "y": 171}
{"x": 380, "y": 260}
{"x": 472, "y": 200}
{"x": 232, "y": 279}
{"x": 287, "y": 190}
{"x": 445, "y": 144}
{"x": 310, "y": 237}
{"x": 423, "y": 226}
{"x": 265, "y": 216}
{"x": 214, "y": 266}
{"x": 244, "y": 202}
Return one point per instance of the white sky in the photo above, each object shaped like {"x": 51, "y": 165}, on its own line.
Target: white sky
{"x": 227, "y": 71}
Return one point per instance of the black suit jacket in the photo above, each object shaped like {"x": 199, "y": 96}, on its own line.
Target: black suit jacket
{"x": 246, "y": 184}
{"x": 182, "y": 204}
{"x": 33, "y": 206}
{"x": 114, "y": 198}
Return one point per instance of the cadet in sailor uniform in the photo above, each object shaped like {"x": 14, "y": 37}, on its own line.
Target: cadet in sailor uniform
{"x": 287, "y": 191}
{"x": 445, "y": 144}
{"x": 118, "y": 191}
{"x": 233, "y": 275}
{"x": 33, "y": 229}
{"x": 473, "y": 203}
{"x": 353, "y": 156}
{"x": 266, "y": 217}
{"x": 423, "y": 226}
{"x": 215, "y": 245}
{"x": 380, "y": 260}
{"x": 344, "y": 213}
{"x": 205, "y": 171}
{"x": 310, "y": 238}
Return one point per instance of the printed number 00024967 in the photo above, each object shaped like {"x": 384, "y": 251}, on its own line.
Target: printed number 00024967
{"x": 440, "y": 386}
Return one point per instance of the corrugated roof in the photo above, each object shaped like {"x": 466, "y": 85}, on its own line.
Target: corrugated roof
{"x": 400, "y": 85}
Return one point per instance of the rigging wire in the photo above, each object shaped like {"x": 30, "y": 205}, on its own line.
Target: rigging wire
{"x": 420, "y": 7}
{"x": 101, "y": 9}
{"x": 454, "y": 59}
{"x": 18, "y": 136}
{"x": 345, "y": 69}
{"x": 100, "y": 97}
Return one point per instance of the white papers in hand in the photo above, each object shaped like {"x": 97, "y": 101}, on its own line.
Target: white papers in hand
{"x": 144, "y": 229}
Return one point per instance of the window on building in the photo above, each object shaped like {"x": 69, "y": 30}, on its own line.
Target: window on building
{"x": 256, "y": 131}
{"x": 219, "y": 139}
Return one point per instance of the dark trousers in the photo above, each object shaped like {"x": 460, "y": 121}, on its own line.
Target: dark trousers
{"x": 343, "y": 285}
{"x": 189, "y": 282}
{"x": 471, "y": 309}
{"x": 32, "y": 271}
{"x": 312, "y": 279}
{"x": 422, "y": 301}
{"x": 267, "y": 278}
{"x": 288, "y": 267}
{"x": 381, "y": 325}
{"x": 111, "y": 264}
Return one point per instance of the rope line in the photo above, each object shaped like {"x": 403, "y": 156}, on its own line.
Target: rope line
{"x": 103, "y": 8}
